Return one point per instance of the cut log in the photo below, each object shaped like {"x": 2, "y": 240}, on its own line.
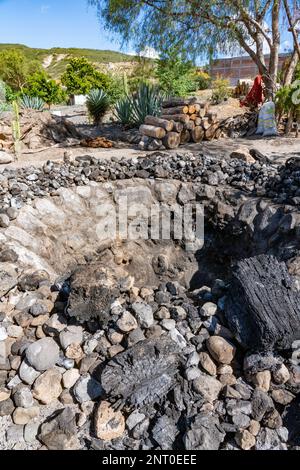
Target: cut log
{"x": 210, "y": 133}
{"x": 177, "y": 127}
{"x": 190, "y": 126}
{"x": 192, "y": 109}
{"x": 184, "y": 118}
{"x": 204, "y": 107}
{"x": 205, "y": 124}
{"x": 193, "y": 117}
{"x": 171, "y": 140}
{"x": 152, "y": 131}
{"x": 197, "y": 134}
{"x": 197, "y": 107}
{"x": 172, "y": 102}
{"x": 198, "y": 121}
{"x": 185, "y": 136}
{"x": 212, "y": 117}
{"x": 262, "y": 305}
{"x": 157, "y": 122}
{"x": 177, "y": 110}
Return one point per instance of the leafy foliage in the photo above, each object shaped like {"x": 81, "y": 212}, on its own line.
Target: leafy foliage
{"x": 97, "y": 104}
{"x": 221, "y": 90}
{"x": 203, "y": 80}
{"x": 143, "y": 72}
{"x": 81, "y": 77}
{"x": 40, "y": 85}
{"x": 284, "y": 100}
{"x": 32, "y": 102}
{"x": 15, "y": 69}
{"x": 175, "y": 73}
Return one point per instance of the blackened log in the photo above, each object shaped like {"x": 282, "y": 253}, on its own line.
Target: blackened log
{"x": 263, "y": 305}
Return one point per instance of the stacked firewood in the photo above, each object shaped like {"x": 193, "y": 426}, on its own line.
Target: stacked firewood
{"x": 181, "y": 121}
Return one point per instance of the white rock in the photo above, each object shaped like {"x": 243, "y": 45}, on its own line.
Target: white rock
{"x": 5, "y": 158}
{"x": 47, "y": 386}
{"x": 3, "y": 333}
{"x": 143, "y": 314}
{"x": 86, "y": 389}
{"x": 208, "y": 309}
{"x": 43, "y": 354}
{"x": 71, "y": 335}
{"x": 70, "y": 377}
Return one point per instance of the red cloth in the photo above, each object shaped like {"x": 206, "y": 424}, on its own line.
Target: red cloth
{"x": 255, "y": 95}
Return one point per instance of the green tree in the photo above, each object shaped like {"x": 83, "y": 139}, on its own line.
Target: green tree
{"x": 175, "y": 73}
{"x": 15, "y": 69}
{"x": 39, "y": 84}
{"x": 81, "y": 77}
{"x": 208, "y": 27}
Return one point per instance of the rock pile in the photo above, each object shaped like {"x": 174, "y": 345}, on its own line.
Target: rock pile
{"x": 22, "y": 185}
{"x": 163, "y": 372}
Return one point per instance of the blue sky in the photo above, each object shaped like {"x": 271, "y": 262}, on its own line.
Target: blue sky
{"x": 50, "y": 23}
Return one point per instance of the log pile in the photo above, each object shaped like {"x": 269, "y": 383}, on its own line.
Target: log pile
{"x": 181, "y": 121}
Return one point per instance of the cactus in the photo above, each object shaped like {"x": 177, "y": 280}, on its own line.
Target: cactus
{"x": 16, "y": 130}
{"x": 31, "y": 102}
{"x": 97, "y": 103}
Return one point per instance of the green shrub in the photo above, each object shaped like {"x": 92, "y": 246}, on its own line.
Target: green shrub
{"x": 221, "y": 90}
{"x": 97, "y": 105}
{"x": 40, "y": 85}
{"x": 32, "y": 102}
{"x": 115, "y": 89}
{"x": 203, "y": 80}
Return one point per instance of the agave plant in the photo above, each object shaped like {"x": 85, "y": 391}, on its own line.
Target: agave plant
{"x": 123, "y": 111}
{"x": 32, "y": 102}
{"x": 97, "y": 104}
{"x": 147, "y": 101}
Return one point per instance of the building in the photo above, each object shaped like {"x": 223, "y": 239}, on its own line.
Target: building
{"x": 238, "y": 68}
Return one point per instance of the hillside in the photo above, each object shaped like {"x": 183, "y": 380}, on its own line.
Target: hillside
{"x": 55, "y": 60}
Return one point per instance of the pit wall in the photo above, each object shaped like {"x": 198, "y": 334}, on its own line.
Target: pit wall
{"x": 57, "y": 233}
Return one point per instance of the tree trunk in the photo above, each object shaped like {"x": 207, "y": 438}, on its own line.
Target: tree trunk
{"x": 197, "y": 134}
{"x": 291, "y": 69}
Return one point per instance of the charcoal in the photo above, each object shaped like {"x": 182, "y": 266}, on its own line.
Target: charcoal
{"x": 263, "y": 306}
{"x": 143, "y": 374}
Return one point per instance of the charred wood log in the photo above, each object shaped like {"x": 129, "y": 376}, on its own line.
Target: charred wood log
{"x": 263, "y": 305}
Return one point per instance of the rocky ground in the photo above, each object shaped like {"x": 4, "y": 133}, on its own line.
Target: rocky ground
{"x": 100, "y": 359}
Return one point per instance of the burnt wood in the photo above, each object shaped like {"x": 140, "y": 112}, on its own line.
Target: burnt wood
{"x": 263, "y": 305}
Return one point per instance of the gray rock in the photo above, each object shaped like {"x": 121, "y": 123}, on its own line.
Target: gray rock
{"x": 31, "y": 431}
{"x": 143, "y": 313}
{"x": 60, "y": 432}
{"x": 23, "y": 397}
{"x": 43, "y": 354}
{"x": 236, "y": 407}
{"x": 205, "y": 433}
{"x": 72, "y": 334}
{"x": 6, "y": 407}
{"x": 86, "y": 389}
{"x": 241, "y": 421}
{"x": 134, "y": 419}
{"x": 261, "y": 403}
{"x": 27, "y": 373}
{"x": 4, "y": 221}
{"x": 268, "y": 439}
